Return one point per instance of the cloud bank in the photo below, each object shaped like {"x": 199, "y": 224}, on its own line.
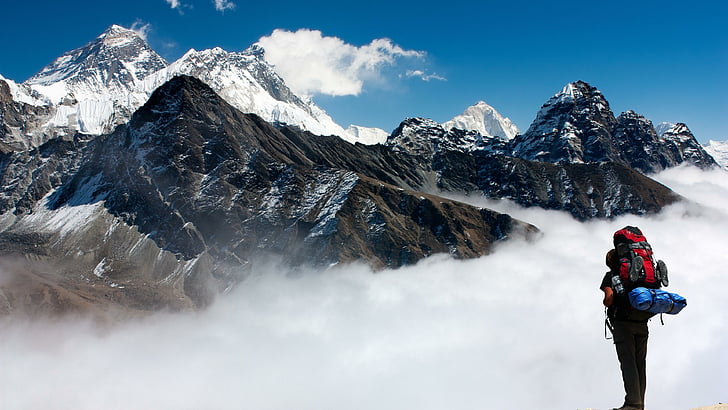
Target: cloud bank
{"x": 312, "y": 63}
{"x": 519, "y": 329}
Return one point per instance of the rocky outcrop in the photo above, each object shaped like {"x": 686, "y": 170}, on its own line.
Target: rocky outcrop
{"x": 574, "y": 126}
{"x": 462, "y": 161}
{"x": 686, "y": 147}
{"x": 20, "y": 123}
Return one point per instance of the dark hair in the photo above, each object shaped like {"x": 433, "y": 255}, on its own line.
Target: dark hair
{"x": 612, "y": 260}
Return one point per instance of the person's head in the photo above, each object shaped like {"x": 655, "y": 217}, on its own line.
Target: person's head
{"x": 612, "y": 260}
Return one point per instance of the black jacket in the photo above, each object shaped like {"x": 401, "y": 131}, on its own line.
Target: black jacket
{"x": 620, "y": 308}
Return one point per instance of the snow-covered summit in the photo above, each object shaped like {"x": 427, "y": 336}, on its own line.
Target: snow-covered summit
{"x": 366, "y": 135}
{"x": 249, "y": 83}
{"x": 99, "y": 85}
{"x": 486, "y": 120}
{"x": 719, "y": 151}
{"x": 663, "y": 127}
{"x": 112, "y": 66}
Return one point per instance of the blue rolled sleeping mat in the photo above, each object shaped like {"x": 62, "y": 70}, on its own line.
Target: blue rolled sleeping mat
{"x": 656, "y": 300}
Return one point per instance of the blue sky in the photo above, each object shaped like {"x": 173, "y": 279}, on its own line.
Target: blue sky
{"x": 666, "y": 60}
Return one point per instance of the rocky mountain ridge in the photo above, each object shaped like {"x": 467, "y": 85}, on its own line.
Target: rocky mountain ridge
{"x": 577, "y": 126}
{"x": 180, "y": 201}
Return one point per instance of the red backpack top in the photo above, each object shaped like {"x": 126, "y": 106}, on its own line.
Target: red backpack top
{"x": 636, "y": 264}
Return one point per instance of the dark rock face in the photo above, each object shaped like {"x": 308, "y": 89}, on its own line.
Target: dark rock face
{"x": 639, "y": 145}
{"x": 573, "y": 126}
{"x": 687, "y": 149}
{"x": 18, "y": 120}
{"x": 586, "y": 190}
{"x": 602, "y": 190}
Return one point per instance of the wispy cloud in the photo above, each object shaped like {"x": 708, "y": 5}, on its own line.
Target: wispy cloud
{"x": 141, "y": 28}
{"x": 175, "y": 4}
{"x": 424, "y": 76}
{"x": 222, "y": 5}
{"x": 312, "y": 63}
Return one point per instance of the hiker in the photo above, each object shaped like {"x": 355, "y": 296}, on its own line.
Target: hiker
{"x": 628, "y": 327}
{"x": 632, "y": 296}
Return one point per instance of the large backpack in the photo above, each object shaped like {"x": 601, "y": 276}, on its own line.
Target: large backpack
{"x": 637, "y": 267}
{"x": 636, "y": 280}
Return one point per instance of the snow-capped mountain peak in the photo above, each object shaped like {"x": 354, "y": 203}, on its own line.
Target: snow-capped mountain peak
{"x": 112, "y": 63}
{"x": 663, "y": 127}
{"x": 366, "y": 135}
{"x": 719, "y": 151}
{"x": 484, "y": 119}
{"x": 249, "y": 83}
{"x": 99, "y": 85}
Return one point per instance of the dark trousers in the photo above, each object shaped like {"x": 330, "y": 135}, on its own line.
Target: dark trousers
{"x": 630, "y": 339}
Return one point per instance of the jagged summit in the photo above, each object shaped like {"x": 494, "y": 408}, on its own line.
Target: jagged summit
{"x": 572, "y": 126}
{"x": 687, "y": 148}
{"x": 484, "y": 119}
{"x": 98, "y": 86}
{"x": 115, "y": 61}
{"x": 416, "y": 136}
{"x": 576, "y": 125}
{"x": 250, "y": 84}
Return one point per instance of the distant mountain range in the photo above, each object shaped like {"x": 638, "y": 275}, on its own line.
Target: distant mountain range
{"x": 131, "y": 183}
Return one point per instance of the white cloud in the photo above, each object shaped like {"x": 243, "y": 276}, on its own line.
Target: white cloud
{"x": 311, "y": 63}
{"x": 442, "y": 334}
{"x": 175, "y": 4}
{"x": 222, "y": 5}
{"x": 424, "y": 76}
{"x": 141, "y": 28}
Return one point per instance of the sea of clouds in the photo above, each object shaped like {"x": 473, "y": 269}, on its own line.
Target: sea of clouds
{"x": 522, "y": 328}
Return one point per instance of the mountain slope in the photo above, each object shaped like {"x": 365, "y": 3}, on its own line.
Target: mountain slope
{"x": 440, "y": 160}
